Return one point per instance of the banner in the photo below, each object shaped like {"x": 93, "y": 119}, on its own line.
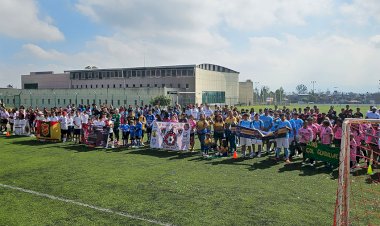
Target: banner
{"x": 170, "y": 136}
{"x": 323, "y": 153}
{"x": 49, "y": 131}
{"x": 97, "y": 136}
{"x": 257, "y": 134}
{"x": 21, "y": 127}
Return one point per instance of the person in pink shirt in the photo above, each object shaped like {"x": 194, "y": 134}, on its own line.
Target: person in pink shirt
{"x": 305, "y": 134}
{"x": 358, "y": 136}
{"x": 192, "y": 124}
{"x": 373, "y": 141}
{"x": 327, "y": 133}
{"x": 338, "y": 133}
{"x": 313, "y": 127}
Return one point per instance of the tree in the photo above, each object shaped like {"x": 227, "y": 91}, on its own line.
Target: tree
{"x": 301, "y": 89}
{"x": 280, "y": 95}
{"x": 160, "y": 100}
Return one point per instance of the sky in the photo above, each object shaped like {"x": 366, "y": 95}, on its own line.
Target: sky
{"x": 274, "y": 43}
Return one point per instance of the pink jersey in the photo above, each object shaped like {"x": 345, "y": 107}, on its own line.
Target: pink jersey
{"x": 338, "y": 132}
{"x": 315, "y": 130}
{"x": 353, "y": 149}
{"x": 305, "y": 135}
{"x": 358, "y": 135}
{"x": 326, "y": 133}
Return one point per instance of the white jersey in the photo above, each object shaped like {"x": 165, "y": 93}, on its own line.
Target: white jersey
{"x": 70, "y": 121}
{"x": 64, "y": 122}
{"x": 77, "y": 122}
{"x": 84, "y": 118}
{"x": 53, "y": 119}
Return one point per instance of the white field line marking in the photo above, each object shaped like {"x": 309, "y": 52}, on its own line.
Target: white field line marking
{"x": 123, "y": 214}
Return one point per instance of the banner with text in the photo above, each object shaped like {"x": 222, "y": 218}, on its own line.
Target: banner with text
{"x": 323, "y": 153}
{"x": 170, "y": 136}
{"x": 21, "y": 127}
{"x": 258, "y": 134}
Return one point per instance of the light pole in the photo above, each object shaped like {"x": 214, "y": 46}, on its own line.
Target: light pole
{"x": 30, "y": 96}
{"x": 76, "y": 98}
{"x": 95, "y": 97}
{"x": 55, "y": 99}
{"x": 313, "y": 82}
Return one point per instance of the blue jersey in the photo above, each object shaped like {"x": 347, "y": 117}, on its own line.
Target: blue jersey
{"x": 245, "y": 124}
{"x": 283, "y": 124}
{"x": 298, "y": 123}
{"x": 124, "y": 128}
{"x": 275, "y": 124}
{"x": 149, "y": 120}
{"x": 267, "y": 120}
{"x": 138, "y": 129}
{"x": 258, "y": 124}
{"x": 132, "y": 131}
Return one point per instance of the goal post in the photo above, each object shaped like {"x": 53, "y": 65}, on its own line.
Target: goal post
{"x": 342, "y": 206}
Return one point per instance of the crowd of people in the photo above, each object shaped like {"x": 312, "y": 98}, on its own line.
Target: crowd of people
{"x": 213, "y": 125}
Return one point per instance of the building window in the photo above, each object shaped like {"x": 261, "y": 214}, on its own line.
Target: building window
{"x": 81, "y": 101}
{"x": 120, "y": 85}
{"x": 91, "y": 86}
{"x": 179, "y": 85}
{"x": 64, "y": 101}
{"x": 140, "y": 85}
{"x": 148, "y": 85}
{"x": 187, "y": 86}
{"x": 163, "y": 85}
{"x": 102, "y": 86}
{"x": 86, "y": 86}
{"x": 69, "y": 101}
{"x": 59, "y": 101}
{"x": 43, "y": 101}
{"x": 114, "y": 86}
{"x": 134, "y": 85}
{"x": 118, "y": 102}
{"x": 155, "y": 85}
{"x": 81, "y": 86}
{"x": 77, "y": 86}
{"x": 153, "y": 73}
{"x": 133, "y": 73}
{"x": 49, "y": 101}
{"x": 126, "y": 85}
{"x": 171, "y": 85}
{"x": 100, "y": 101}
{"x": 96, "y": 85}
{"x": 108, "y": 86}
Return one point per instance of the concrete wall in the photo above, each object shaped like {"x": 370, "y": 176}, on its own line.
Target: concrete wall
{"x": 217, "y": 81}
{"x": 63, "y": 97}
{"x": 47, "y": 81}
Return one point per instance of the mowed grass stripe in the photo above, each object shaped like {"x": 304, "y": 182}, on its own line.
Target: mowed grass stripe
{"x": 123, "y": 214}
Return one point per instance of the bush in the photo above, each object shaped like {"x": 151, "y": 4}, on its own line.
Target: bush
{"x": 160, "y": 100}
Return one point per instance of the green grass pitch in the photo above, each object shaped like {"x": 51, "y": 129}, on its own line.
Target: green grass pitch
{"x": 179, "y": 189}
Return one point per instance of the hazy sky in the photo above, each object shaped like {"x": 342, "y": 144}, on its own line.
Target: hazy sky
{"x": 273, "y": 42}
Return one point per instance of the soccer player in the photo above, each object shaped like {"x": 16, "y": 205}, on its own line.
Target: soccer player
{"x": 201, "y": 126}
{"x": 246, "y": 143}
{"x": 305, "y": 136}
{"x": 64, "y": 125}
{"x": 77, "y": 127}
{"x": 259, "y": 125}
{"x": 268, "y": 123}
{"x": 283, "y": 141}
{"x": 149, "y": 124}
{"x": 125, "y": 130}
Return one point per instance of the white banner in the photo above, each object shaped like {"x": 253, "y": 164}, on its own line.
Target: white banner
{"x": 21, "y": 127}
{"x": 170, "y": 136}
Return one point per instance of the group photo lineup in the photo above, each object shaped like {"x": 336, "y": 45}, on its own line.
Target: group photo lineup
{"x": 190, "y": 113}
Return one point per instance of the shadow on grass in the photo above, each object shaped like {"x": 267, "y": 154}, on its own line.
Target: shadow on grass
{"x": 78, "y": 148}
{"x": 308, "y": 170}
{"x": 373, "y": 179}
{"x": 184, "y": 155}
{"x": 228, "y": 161}
{"x": 154, "y": 152}
{"x": 33, "y": 142}
{"x": 263, "y": 164}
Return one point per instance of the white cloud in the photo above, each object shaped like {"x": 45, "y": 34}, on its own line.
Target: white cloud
{"x": 375, "y": 40}
{"x": 36, "y": 51}
{"x": 361, "y": 12}
{"x": 19, "y": 19}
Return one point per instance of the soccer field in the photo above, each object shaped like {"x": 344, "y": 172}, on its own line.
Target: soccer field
{"x": 161, "y": 186}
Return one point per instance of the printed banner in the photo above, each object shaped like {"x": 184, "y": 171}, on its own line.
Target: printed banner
{"x": 97, "y": 136}
{"x": 49, "y": 131}
{"x": 323, "y": 153}
{"x": 170, "y": 136}
{"x": 21, "y": 127}
{"x": 257, "y": 134}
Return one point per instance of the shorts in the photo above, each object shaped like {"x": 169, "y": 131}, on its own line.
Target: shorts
{"x": 257, "y": 141}
{"x": 77, "y": 131}
{"x": 64, "y": 131}
{"x": 245, "y": 141}
{"x": 125, "y": 135}
{"x": 4, "y": 121}
{"x": 282, "y": 142}
{"x": 149, "y": 129}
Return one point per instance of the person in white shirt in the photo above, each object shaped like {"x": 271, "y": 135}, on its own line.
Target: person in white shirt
{"x": 63, "y": 120}
{"x": 70, "y": 126}
{"x": 84, "y": 117}
{"x": 53, "y": 117}
{"x": 208, "y": 112}
{"x": 77, "y": 127}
